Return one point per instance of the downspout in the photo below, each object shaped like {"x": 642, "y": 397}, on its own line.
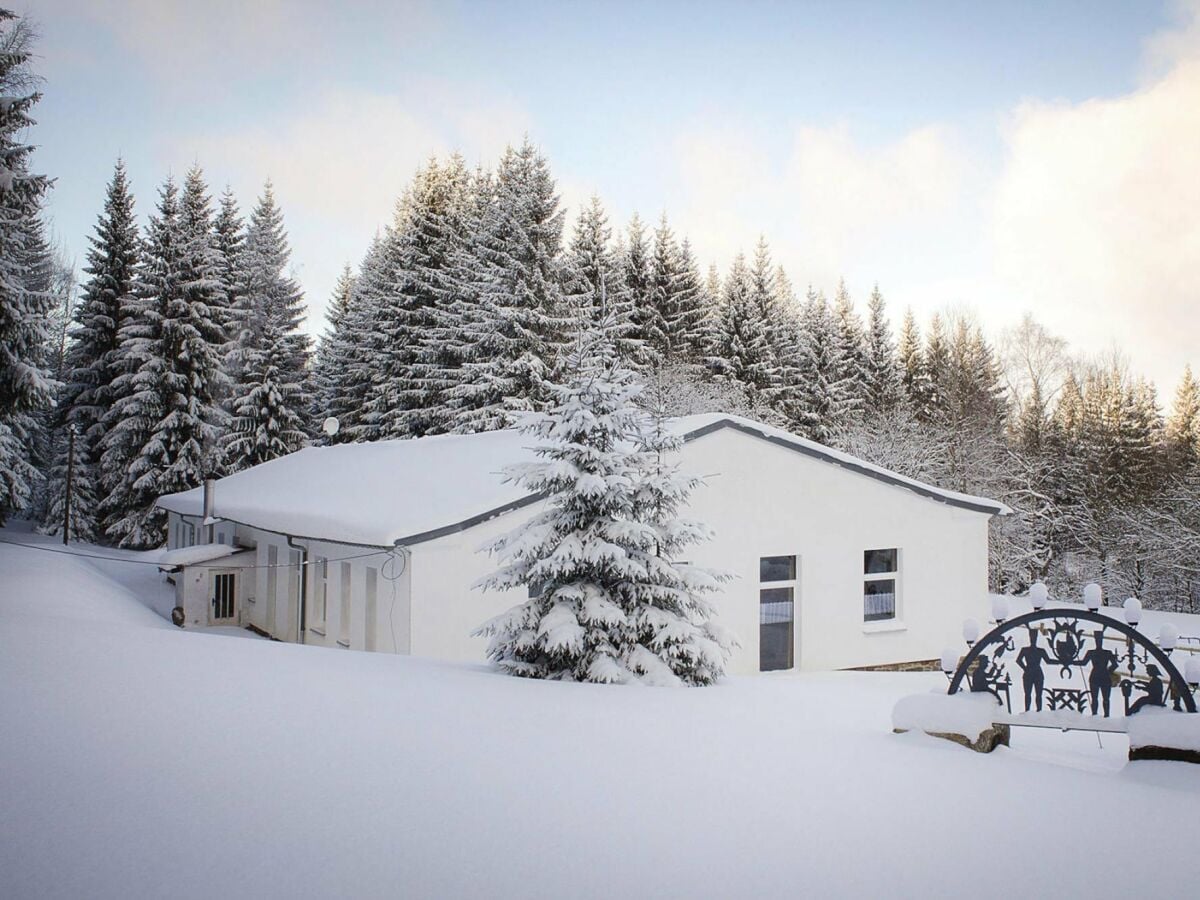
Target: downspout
{"x": 301, "y": 613}
{"x": 210, "y": 487}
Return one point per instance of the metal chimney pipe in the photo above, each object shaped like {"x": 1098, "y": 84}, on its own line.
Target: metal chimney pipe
{"x": 210, "y": 489}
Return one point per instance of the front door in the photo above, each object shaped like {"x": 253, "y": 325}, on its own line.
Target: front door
{"x": 222, "y": 590}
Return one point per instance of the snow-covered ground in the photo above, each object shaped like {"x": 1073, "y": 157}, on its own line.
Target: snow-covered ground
{"x": 139, "y": 760}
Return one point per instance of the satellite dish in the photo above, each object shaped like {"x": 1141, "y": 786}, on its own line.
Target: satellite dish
{"x": 330, "y": 426}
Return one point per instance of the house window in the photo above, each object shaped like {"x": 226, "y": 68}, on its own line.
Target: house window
{"x": 372, "y": 603}
{"x": 881, "y": 572}
{"x": 776, "y": 612}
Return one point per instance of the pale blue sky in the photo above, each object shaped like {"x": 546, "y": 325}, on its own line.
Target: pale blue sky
{"x": 994, "y": 155}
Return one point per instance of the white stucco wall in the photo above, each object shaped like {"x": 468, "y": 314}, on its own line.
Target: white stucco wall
{"x": 766, "y": 500}
{"x": 760, "y": 498}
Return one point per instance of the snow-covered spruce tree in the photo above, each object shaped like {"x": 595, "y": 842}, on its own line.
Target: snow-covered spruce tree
{"x": 229, "y": 240}
{"x": 595, "y": 280}
{"x": 825, "y": 402}
{"x": 509, "y": 299}
{"x": 635, "y": 292}
{"x": 690, "y": 328}
{"x": 406, "y": 396}
{"x": 72, "y": 467}
{"x": 165, "y": 425}
{"x": 267, "y": 419}
{"x": 92, "y": 360}
{"x": 269, "y": 352}
{"x": 883, "y": 373}
{"x": 26, "y": 386}
{"x": 330, "y": 358}
{"x": 741, "y": 351}
{"x": 611, "y": 604}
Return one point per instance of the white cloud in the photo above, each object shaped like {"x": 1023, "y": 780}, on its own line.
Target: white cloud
{"x": 830, "y": 205}
{"x": 1097, "y": 216}
{"x": 339, "y": 163}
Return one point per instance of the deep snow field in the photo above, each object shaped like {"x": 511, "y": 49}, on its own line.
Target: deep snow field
{"x": 138, "y": 760}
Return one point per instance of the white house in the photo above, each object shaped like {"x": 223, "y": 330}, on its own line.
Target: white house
{"x": 837, "y": 563}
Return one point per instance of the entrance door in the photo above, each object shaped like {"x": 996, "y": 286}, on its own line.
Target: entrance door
{"x": 223, "y": 598}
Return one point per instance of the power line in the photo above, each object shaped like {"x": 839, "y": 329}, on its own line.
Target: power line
{"x": 201, "y": 565}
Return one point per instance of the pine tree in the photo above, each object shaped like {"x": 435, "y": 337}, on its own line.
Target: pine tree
{"x": 741, "y": 352}
{"x": 824, "y": 403}
{"x": 509, "y": 305}
{"x": 229, "y": 239}
{"x": 913, "y": 376}
{"x": 163, "y": 429}
{"x": 635, "y": 273}
{"x": 691, "y": 327}
{"x": 331, "y": 357}
{"x": 884, "y": 390}
{"x": 92, "y": 361}
{"x": 1183, "y": 427}
{"x": 852, "y": 345}
{"x": 26, "y": 387}
{"x": 408, "y": 393}
{"x": 73, "y": 469}
{"x": 657, "y": 322}
{"x": 611, "y": 605}
{"x": 269, "y": 352}
{"x": 936, "y": 366}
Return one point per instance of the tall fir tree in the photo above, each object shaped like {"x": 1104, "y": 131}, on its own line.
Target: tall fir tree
{"x": 1183, "y": 426}
{"x": 611, "y": 604}
{"x": 825, "y": 402}
{"x": 512, "y": 313}
{"x": 229, "y": 240}
{"x": 330, "y": 361}
{"x": 269, "y": 352}
{"x": 26, "y": 386}
{"x": 884, "y": 390}
{"x": 635, "y": 274}
{"x": 163, "y": 430}
{"x": 741, "y": 352}
{"x": 690, "y": 328}
{"x": 107, "y": 304}
{"x": 852, "y": 344}
{"x": 408, "y": 393}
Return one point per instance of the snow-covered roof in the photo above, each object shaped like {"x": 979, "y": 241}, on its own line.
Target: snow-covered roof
{"x": 408, "y": 491}
{"x": 194, "y": 555}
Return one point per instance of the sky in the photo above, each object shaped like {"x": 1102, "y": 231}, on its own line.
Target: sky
{"x": 999, "y": 158}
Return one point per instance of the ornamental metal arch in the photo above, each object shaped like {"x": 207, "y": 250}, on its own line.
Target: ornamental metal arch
{"x": 985, "y": 668}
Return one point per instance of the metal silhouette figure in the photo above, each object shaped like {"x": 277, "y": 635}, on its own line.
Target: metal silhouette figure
{"x": 1155, "y": 695}
{"x": 1030, "y": 659}
{"x": 1104, "y": 663}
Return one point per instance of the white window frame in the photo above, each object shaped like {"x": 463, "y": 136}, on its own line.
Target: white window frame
{"x": 893, "y": 576}
{"x": 794, "y": 584}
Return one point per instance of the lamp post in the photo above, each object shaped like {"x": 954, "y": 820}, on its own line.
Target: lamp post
{"x": 1092, "y": 596}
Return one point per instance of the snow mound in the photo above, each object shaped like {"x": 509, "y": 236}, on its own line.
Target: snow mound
{"x": 40, "y": 586}
{"x": 1164, "y": 728}
{"x": 963, "y": 713}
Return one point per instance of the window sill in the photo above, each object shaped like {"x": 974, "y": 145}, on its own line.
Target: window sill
{"x": 345, "y": 644}
{"x": 320, "y": 631}
{"x": 883, "y": 626}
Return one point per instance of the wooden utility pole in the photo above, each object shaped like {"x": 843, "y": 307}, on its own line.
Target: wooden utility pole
{"x": 70, "y": 478}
